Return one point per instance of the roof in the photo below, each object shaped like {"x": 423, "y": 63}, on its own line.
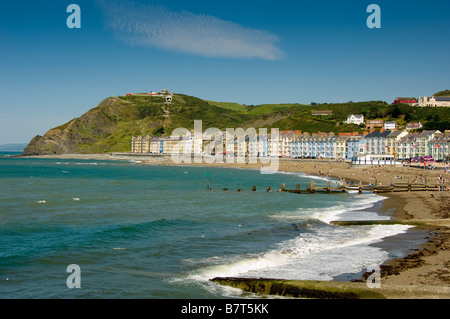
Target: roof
{"x": 395, "y": 134}
{"x": 425, "y": 134}
{"x": 290, "y": 134}
{"x": 356, "y": 115}
{"x": 408, "y": 138}
{"x": 355, "y": 138}
{"x": 372, "y": 134}
{"x": 377, "y": 134}
{"x": 440, "y": 139}
{"x": 442, "y": 98}
{"x": 375, "y": 121}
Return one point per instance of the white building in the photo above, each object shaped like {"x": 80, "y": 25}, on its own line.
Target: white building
{"x": 340, "y": 147}
{"x": 377, "y": 159}
{"x": 422, "y": 143}
{"x": 416, "y": 145}
{"x": 285, "y": 143}
{"x": 391, "y": 141}
{"x": 392, "y": 126}
{"x": 405, "y": 147}
{"x": 355, "y": 119}
{"x": 375, "y": 143}
{"x": 321, "y": 146}
{"x": 140, "y": 144}
{"x": 440, "y": 147}
{"x": 414, "y": 126}
{"x": 435, "y": 101}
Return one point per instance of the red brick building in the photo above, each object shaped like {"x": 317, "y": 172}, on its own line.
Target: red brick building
{"x": 405, "y": 100}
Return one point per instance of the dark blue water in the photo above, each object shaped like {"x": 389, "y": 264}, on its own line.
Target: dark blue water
{"x": 141, "y": 231}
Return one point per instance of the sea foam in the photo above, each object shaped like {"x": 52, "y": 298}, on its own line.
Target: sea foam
{"x": 318, "y": 254}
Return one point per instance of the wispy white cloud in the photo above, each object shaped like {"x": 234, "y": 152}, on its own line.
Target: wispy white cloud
{"x": 148, "y": 25}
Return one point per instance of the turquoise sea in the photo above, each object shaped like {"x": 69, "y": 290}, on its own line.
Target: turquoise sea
{"x": 141, "y": 231}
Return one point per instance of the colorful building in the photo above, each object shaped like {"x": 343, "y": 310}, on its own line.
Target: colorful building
{"x": 405, "y": 100}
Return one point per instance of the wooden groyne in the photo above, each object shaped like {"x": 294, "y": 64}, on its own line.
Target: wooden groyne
{"x": 356, "y": 188}
{"x": 313, "y": 189}
{"x": 377, "y": 189}
{"x": 360, "y": 188}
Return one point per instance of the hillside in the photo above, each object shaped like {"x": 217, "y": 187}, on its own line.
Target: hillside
{"x": 443, "y": 93}
{"x": 110, "y": 126}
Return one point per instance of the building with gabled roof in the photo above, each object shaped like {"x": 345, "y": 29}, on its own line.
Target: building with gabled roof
{"x": 440, "y": 147}
{"x": 374, "y": 124}
{"x": 355, "y": 119}
{"x": 391, "y": 141}
{"x": 414, "y": 126}
{"x": 375, "y": 142}
{"x": 434, "y": 101}
{"x": 390, "y": 125}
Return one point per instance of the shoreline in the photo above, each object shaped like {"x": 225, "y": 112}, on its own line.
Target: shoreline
{"x": 427, "y": 266}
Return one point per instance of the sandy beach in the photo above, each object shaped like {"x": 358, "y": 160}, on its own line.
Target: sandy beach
{"x": 428, "y": 265}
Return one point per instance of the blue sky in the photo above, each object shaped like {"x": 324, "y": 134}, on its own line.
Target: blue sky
{"x": 249, "y": 52}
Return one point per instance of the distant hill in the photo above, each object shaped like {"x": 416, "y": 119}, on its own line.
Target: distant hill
{"x": 443, "y": 93}
{"x": 110, "y": 126}
{"x": 16, "y": 147}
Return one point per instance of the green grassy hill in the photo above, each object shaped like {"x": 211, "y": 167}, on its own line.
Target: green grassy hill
{"x": 443, "y": 93}
{"x": 110, "y": 126}
{"x": 229, "y": 105}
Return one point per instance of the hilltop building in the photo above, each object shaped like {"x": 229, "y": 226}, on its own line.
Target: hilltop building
{"x": 434, "y": 101}
{"x": 405, "y": 100}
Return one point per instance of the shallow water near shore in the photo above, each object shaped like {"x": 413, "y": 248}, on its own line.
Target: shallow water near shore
{"x": 141, "y": 231}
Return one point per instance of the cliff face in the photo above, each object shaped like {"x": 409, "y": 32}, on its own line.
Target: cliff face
{"x": 102, "y": 129}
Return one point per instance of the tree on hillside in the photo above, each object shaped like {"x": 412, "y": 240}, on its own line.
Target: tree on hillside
{"x": 396, "y": 112}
